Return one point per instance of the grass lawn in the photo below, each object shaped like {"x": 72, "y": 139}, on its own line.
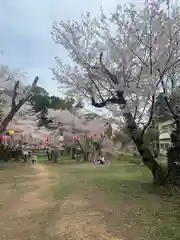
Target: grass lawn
{"x": 132, "y": 206}
{"x": 87, "y": 202}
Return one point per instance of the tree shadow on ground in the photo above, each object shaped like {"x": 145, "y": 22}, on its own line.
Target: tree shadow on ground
{"x": 3, "y": 167}
{"x": 133, "y": 188}
{"x": 11, "y": 165}
{"x": 62, "y": 162}
{"x": 166, "y": 191}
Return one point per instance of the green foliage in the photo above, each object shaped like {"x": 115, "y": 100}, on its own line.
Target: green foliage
{"x": 43, "y": 119}
{"x": 59, "y": 103}
{"x": 40, "y": 91}
{"x": 5, "y": 153}
{"x": 1, "y": 112}
{"x": 77, "y": 143}
{"x": 91, "y": 116}
{"x": 41, "y": 102}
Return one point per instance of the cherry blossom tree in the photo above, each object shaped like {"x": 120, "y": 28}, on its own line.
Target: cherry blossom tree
{"x": 122, "y": 62}
{"x": 24, "y": 123}
{"x": 121, "y": 140}
{"x": 68, "y": 124}
{"x": 13, "y": 94}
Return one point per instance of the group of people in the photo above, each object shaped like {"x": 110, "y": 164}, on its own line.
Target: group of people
{"x": 29, "y": 156}
{"x": 52, "y": 154}
{"x": 100, "y": 160}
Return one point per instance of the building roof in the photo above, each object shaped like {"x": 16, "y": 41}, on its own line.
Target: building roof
{"x": 164, "y": 136}
{"x": 166, "y": 123}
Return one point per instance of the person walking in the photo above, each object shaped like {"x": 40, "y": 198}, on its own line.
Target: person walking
{"x": 25, "y": 154}
{"x": 34, "y": 159}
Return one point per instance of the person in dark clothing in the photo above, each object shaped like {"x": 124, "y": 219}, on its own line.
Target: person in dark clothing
{"x": 101, "y": 160}
{"x": 48, "y": 155}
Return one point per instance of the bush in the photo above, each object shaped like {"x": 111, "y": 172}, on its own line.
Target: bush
{"x": 5, "y": 154}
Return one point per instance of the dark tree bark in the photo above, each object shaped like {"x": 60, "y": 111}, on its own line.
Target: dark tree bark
{"x": 173, "y": 155}
{"x": 16, "y": 106}
{"x": 49, "y": 155}
{"x": 85, "y": 156}
{"x": 136, "y": 134}
{"x": 147, "y": 157}
{"x": 55, "y": 155}
{"x": 73, "y": 152}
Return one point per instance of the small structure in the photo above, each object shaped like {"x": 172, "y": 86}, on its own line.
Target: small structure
{"x": 165, "y": 130}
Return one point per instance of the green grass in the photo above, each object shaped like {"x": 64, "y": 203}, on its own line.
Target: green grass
{"x": 123, "y": 193}
{"x": 63, "y": 190}
{"x": 127, "y": 191}
{"x": 43, "y": 158}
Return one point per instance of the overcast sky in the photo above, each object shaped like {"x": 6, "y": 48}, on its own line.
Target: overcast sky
{"x": 25, "y": 27}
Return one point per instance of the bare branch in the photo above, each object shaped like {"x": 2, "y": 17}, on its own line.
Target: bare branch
{"x": 111, "y": 76}
{"x": 150, "y": 117}
{"x": 167, "y": 100}
{"x": 142, "y": 61}
{"x": 17, "y": 106}
{"x": 98, "y": 90}
{"x": 104, "y": 103}
{"x": 15, "y": 94}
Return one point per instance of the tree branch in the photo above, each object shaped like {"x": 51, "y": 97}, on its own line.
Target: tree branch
{"x": 167, "y": 101}
{"x": 107, "y": 72}
{"x": 104, "y": 103}
{"x": 141, "y": 60}
{"x": 150, "y": 117}
{"x": 98, "y": 90}
{"x": 16, "y": 107}
{"x": 15, "y": 94}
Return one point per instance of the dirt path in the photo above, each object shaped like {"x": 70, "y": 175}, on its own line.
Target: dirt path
{"x": 79, "y": 219}
{"x": 21, "y": 212}
{"x": 32, "y": 212}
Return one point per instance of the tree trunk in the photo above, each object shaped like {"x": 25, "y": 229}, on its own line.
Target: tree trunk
{"x": 85, "y": 156}
{"x": 73, "y": 152}
{"x": 173, "y": 155}
{"x": 136, "y": 135}
{"x": 173, "y": 175}
{"x": 146, "y": 155}
{"x": 7, "y": 119}
{"x": 150, "y": 162}
{"x": 55, "y": 155}
{"x": 15, "y": 107}
{"x": 49, "y": 155}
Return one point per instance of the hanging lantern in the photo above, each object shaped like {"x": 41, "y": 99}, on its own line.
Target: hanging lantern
{"x": 46, "y": 139}
{"x": 61, "y": 138}
{"x": 11, "y": 132}
{"x": 4, "y": 138}
{"x": 75, "y": 138}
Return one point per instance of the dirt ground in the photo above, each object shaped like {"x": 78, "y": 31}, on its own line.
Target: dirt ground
{"x": 29, "y": 210}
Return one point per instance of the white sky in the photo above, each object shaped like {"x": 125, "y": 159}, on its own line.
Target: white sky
{"x": 25, "y": 27}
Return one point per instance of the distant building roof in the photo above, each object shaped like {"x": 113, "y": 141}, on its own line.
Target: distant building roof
{"x": 164, "y": 136}
{"x": 166, "y": 123}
